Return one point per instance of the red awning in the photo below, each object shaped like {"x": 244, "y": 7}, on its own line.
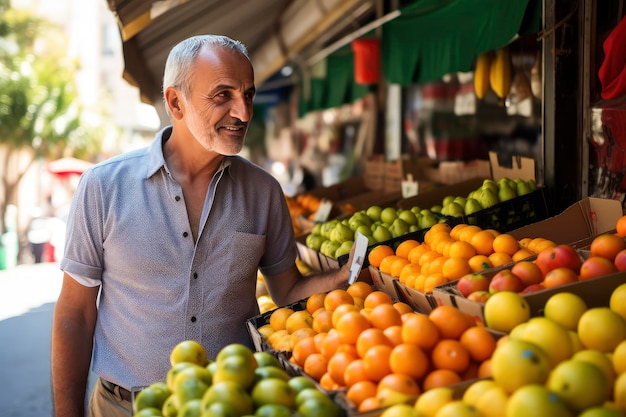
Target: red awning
{"x": 68, "y": 166}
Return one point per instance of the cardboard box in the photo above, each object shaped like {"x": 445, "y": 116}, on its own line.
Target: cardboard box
{"x": 398, "y": 171}
{"x": 452, "y": 172}
{"x": 374, "y": 172}
{"x": 520, "y": 167}
{"x": 420, "y": 301}
{"x": 596, "y": 292}
{"x": 576, "y": 224}
{"x": 385, "y": 283}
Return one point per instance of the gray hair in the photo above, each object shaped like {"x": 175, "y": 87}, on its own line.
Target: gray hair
{"x": 179, "y": 64}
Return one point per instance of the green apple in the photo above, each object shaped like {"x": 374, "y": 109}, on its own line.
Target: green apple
{"x": 388, "y": 215}
{"x": 314, "y": 241}
{"x": 341, "y": 233}
{"x": 344, "y": 248}
{"x": 381, "y": 234}
{"x": 471, "y": 206}
{"x": 373, "y": 212}
{"x": 408, "y": 217}
{"x": 398, "y": 228}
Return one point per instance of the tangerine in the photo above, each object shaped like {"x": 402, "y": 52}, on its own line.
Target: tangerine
{"x": 399, "y": 383}
{"x": 620, "y": 226}
{"x": 420, "y": 330}
{"x": 376, "y": 362}
{"x": 384, "y": 315}
{"x": 336, "y": 297}
{"x": 440, "y": 378}
{"x": 607, "y": 245}
{"x": 361, "y": 391}
{"x": 450, "y": 321}
{"x": 405, "y": 247}
{"x": 409, "y": 359}
{"x": 375, "y": 298}
{"x": 378, "y": 253}
{"x": 479, "y": 342}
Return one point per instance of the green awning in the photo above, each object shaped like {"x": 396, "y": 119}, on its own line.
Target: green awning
{"x": 432, "y": 38}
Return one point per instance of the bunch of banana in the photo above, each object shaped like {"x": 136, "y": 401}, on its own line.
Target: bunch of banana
{"x": 500, "y": 72}
{"x": 481, "y": 74}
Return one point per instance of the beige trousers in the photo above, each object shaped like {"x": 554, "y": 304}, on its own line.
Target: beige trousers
{"x": 107, "y": 404}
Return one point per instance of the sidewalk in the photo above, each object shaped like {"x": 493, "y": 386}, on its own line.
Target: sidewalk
{"x": 27, "y": 297}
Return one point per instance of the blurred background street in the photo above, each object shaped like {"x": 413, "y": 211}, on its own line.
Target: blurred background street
{"x": 27, "y": 297}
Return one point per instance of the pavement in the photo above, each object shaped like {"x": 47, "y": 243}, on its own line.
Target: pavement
{"x": 28, "y": 294}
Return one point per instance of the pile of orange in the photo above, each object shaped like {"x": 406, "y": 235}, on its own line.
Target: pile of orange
{"x": 364, "y": 342}
{"x": 448, "y": 253}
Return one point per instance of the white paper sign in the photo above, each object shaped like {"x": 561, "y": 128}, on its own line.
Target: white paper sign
{"x": 360, "y": 251}
{"x": 410, "y": 188}
{"x": 323, "y": 211}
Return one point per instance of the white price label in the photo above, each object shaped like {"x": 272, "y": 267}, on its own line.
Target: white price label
{"x": 360, "y": 251}
{"x": 323, "y": 211}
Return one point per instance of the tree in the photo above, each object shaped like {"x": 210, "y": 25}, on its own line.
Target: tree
{"x": 39, "y": 110}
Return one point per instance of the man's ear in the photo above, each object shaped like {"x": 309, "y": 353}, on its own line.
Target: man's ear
{"x": 173, "y": 102}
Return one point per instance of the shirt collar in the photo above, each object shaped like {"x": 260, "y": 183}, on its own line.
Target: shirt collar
{"x": 157, "y": 160}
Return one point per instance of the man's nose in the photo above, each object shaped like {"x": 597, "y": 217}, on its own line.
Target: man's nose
{"x": 241, "y": 109}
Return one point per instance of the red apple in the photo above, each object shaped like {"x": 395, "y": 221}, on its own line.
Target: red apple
{"x": 620, "y": 260}
{"x": 532, "y": 288}
{"x": 479, "y": 296}
{"x": 469, "y": 283}
{"x": 505, "y": 280}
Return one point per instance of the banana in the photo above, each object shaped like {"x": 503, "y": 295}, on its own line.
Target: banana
{"x": 500, "y": 72}
{"x": 481, "y": 74}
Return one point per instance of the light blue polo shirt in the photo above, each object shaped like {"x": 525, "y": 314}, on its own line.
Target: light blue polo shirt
{"x": 128, "y": 230}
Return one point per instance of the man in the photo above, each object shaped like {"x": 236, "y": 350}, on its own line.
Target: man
{"x": 163, "y": 244}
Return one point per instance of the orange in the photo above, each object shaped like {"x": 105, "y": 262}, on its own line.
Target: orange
{"x": 315, "y": 365}
{"x": 432, "y": 281}
{"x": 521, "y": 254}
{"x": 461, "y": 249}
{"x": 369, "y": 338}
{"x": 409, "y": 359}
{"x": 394, "y": 334}
{"x": 385, "y": 264}
{"x": 322, "y": 321}
{"x": 427, "y": 257}
{"x": 407, "y": 270}
{"x": 545, "y": 244}
{"x": 359, "y": 289}
{"x": 298, "y": 320}
{"x": 482, "y": 241}
{"x": 378, "y": 253}
{"x": 500, "y": 258}
{"x": 340, "y": 311}
{"x": 523, "y": 242}
{"x": 303, "y": 349}
{"x": 329, "y": 344}
{"x": 397, "y": 266}
{"x": 450, "y": 354}
{"x": 454, "y": 232}
{"x": 376, "y": 362}
{"x": 455, "y": 268}
{"x": 399, "y": 383}
{"x": 466, "y": 233}
{"x": 327, "y": 382}
{"x": 506, "y": 243}
{"x": 278, "y": 318}
{"x": 360, "y": 391}
{"x": 607, "y": 245}
{"x": 315, "y": 302}
{"x": 369, "y": 404}
{"x": 440, "y": 378}
{"x": 336, "y": 297}
{"x": 354, "y": 372}
{"x": 350, "y": 325}
{"x": 416, "y": 252}
{"x": 384, "y": 315}
{"x": 480, "y": 263}
{"x": 440, "y": 227}
{"x": 450, "y": 321}
{"x": 300, "y": 334}
{"x": 436, "y": 265}
{"x": 484, "y": 369}
{"x": 405, "y": 247}
{"x": 337, "y": 365}
{"x": 419, "y": 330}
{"x": 596, "y": 266}
{"x": 620, "y": 226}
{"x": 375, "y": 298}
{"x": 402, "y": 308}
{"x": 478, "y": 342}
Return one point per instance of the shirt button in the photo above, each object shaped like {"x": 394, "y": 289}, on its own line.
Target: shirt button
{"x": 195, "y": 275}
{"x": 185, "y": 234}
{"x": 193, "y": 319}
{"x": 177, "y": 198}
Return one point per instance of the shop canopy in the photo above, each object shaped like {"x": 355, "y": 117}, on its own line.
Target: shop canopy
{"x": 432, "y": 38}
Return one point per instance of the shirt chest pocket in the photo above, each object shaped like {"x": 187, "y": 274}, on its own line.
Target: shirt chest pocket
{"x": 245, "y": 253}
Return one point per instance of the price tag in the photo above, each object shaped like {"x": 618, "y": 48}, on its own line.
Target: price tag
{"x": 323, "y": 211}
{"x": 409, "y": 187}
{"x": 360, "y": 251}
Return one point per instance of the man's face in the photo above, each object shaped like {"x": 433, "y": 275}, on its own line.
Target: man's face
{"x": 220, "y": 106}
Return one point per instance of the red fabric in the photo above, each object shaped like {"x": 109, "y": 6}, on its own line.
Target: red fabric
{"x": 612, "y": 73}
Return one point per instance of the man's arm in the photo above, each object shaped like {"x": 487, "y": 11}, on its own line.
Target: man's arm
{"x": 72, "y": 342}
